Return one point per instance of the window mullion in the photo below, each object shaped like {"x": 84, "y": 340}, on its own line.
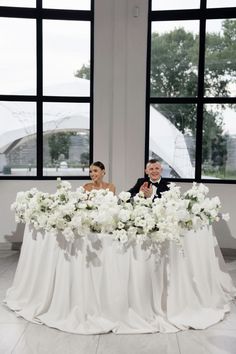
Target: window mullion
{"x": 39, "y": 96}
{"x": 201, "y": 65}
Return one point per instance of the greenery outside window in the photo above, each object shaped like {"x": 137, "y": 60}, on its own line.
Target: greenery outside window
{"x": 191, "y": 90}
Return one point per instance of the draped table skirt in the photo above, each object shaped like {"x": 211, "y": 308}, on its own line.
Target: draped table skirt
{"x": 92, "y": 286}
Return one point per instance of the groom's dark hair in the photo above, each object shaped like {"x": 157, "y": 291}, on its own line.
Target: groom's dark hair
{"x": 153, "y": 161}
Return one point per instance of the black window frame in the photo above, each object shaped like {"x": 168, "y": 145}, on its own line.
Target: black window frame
{"x": 202, "y": 14}
{"x": 39, "y": 14}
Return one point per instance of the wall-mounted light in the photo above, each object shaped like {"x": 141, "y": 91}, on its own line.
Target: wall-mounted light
{"x": 136, "y": 11}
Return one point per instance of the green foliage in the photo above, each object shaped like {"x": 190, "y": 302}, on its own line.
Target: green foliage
{"x": 59, "y": 144}
{"x": 173, "y": 64}
{"x": 84, "y": 158}
{"x": 174, "y": 73}
{"x": 7, "y": 170}
{"x": 83, "y": 72}
{"x": 220, "y": 63}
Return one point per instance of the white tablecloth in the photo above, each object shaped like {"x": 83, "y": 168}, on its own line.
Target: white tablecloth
{"x": 92, "y": 287}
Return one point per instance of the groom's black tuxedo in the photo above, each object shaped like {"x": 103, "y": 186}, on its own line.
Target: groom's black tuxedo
{"x": 162, "y": 186}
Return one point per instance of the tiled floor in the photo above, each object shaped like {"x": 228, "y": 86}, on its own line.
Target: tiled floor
{"x": 19, "y": 336}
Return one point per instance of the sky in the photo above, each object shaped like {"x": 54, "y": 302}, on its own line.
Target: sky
{"x": 64, "y": 4}
{"x": 189, "y": 4}
{"x": 85, "y": 4}
{"x": 230, "y": 121}
{"x": 66, "y": 48}
{"x": 188, "y": 25}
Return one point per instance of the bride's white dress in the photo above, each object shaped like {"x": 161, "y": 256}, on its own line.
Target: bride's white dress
{"x": 92, "y": 287}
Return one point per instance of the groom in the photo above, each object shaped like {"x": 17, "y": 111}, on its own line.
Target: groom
{"x": 153, "y": 185}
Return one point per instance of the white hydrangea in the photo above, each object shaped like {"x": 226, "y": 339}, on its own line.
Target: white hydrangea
{"x": 124, "y": 196}
{"x": 79, "y": 213}
{"x": 124, "y": 215}
{"x": 121, "y": 236}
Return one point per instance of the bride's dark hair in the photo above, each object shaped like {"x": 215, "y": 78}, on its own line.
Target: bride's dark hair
{"x": 99, "y": 164}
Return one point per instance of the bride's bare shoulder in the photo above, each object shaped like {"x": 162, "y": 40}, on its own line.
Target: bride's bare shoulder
{"x": 111, "y": 187}
{"x": 88, "y": 186}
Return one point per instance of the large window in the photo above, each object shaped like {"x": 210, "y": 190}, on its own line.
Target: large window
{"x": 46, "y": 93}
{"x": 191, "y": 89}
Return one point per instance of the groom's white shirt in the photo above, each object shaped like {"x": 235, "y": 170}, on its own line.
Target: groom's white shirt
{"x": 154, "y": 188}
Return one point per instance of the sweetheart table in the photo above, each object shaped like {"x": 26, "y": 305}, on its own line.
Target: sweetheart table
{"x": 91, "y": 286}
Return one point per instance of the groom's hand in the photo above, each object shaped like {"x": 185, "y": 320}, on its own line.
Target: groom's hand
{"x": 147, "y": 191}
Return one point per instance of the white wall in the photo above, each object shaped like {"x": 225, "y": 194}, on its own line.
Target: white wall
{"x": 120, "y": 83}
{"x": 119, "y": 113}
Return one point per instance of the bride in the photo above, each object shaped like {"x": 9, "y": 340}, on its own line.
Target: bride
{"x": 97, "y": 172}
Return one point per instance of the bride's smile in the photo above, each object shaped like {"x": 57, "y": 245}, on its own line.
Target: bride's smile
{"x": 97, "y": 172}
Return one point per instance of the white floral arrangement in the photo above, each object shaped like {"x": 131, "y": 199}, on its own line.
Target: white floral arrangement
{"x": 78, "y": 213}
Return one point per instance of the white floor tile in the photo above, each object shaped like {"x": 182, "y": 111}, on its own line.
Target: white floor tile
{"x": 229, "y": 322}
{"x": 207, "y": 342}
{"x": 8, "y": 316}
{"x": 38, "y": 339}
{"x": 9, "y": 336}
{"x": 138, "y": 344}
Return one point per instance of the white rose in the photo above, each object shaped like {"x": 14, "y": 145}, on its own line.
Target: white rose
{"x": 196, "y": 208}
{"x": 124, "y": 215}
{"x": 124, "y": 196}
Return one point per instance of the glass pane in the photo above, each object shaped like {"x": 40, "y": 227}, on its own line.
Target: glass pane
{"x": 66, "y": 139}
{"x": 174, "y": 58}
{"x": 221, "y": 3}
{"x": 18, "y": 56}
{"x": 18, "y": 3}
{"x": 174, "y": 143}
{"x": 219, "y": 142}
{"x": 17, "y": 138}
{"x": 67, "y": 4}
{"x": 220, "y": 64}
{"x": 175, "y": 5}
{"x": 66, "y": 58}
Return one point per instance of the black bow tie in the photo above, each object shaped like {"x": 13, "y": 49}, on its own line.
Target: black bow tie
{"x": 156, "y": 184}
